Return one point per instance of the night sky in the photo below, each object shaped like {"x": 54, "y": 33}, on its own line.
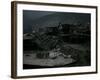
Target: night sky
{"x": 41, "y": 19}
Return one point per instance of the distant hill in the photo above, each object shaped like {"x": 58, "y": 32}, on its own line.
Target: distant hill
{"x": 53, "y": 19}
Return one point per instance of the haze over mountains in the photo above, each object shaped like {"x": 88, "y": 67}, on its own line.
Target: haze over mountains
{"x": 36, "y": 19}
